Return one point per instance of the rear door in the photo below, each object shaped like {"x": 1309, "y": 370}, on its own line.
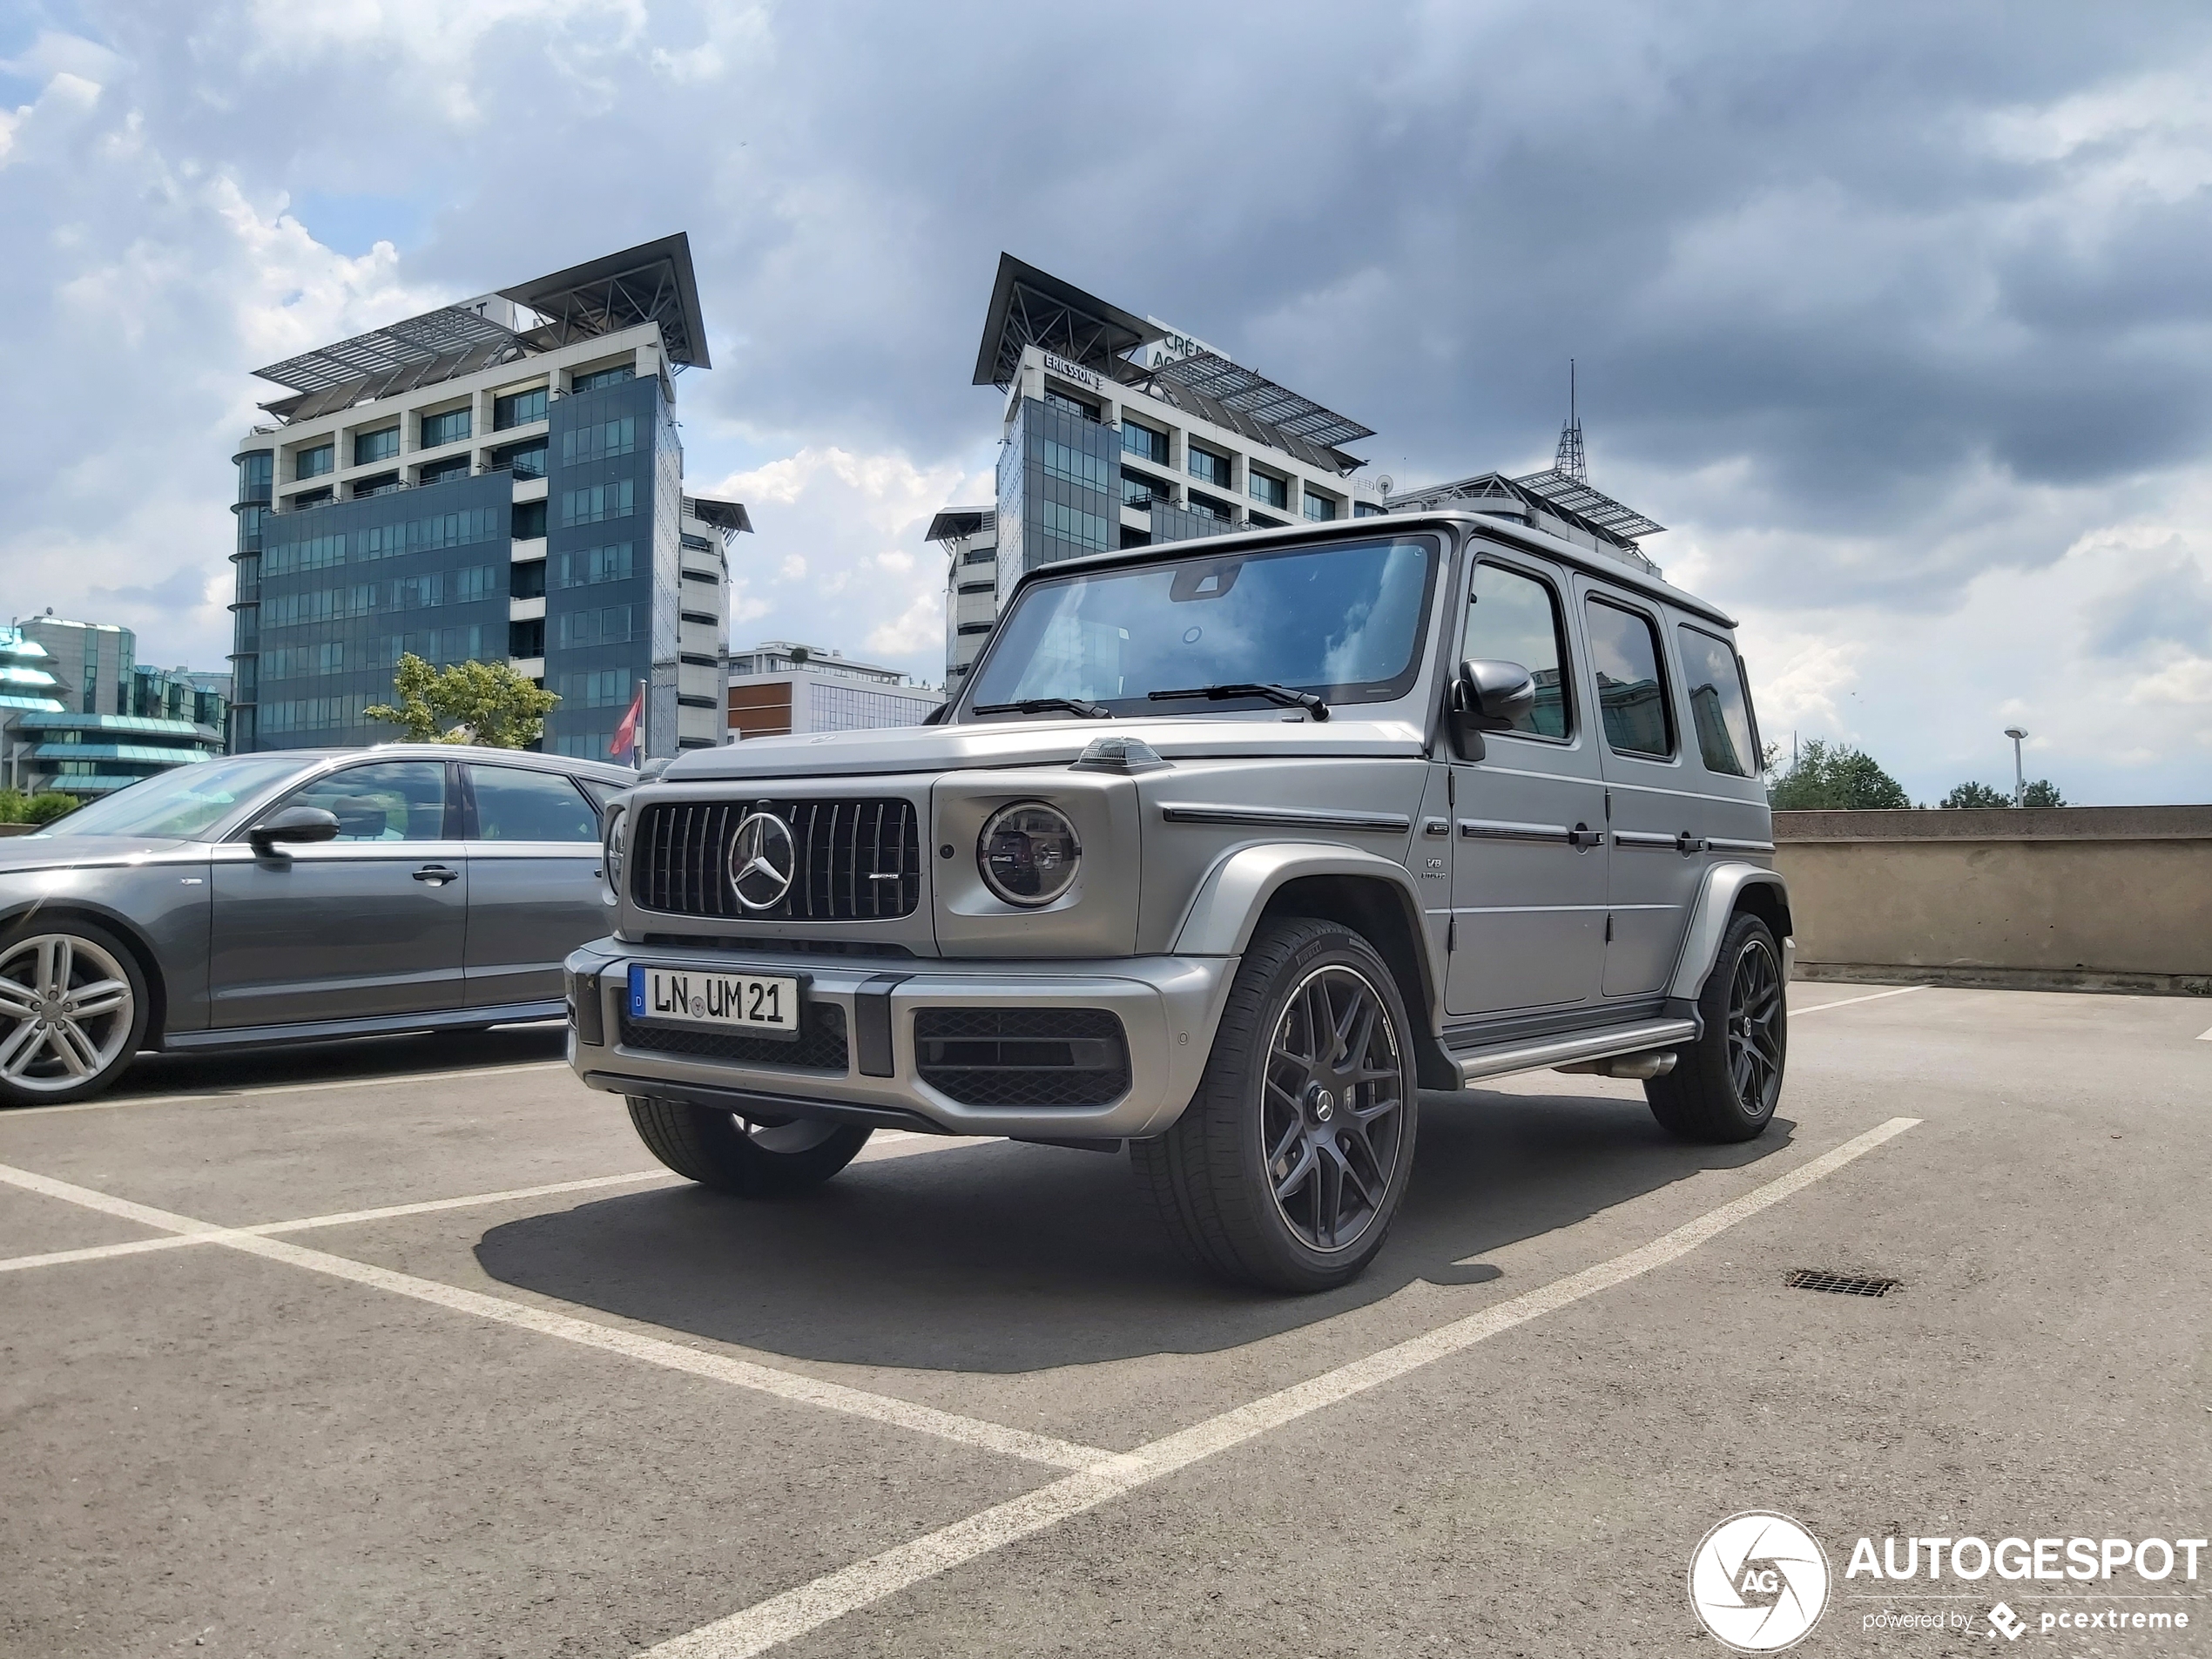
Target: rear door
{"x": 371, "y": 923}
{"x": 1657, "y": 861}
{"x": 533, "y": 881}
{"x": 1528, "y": 856}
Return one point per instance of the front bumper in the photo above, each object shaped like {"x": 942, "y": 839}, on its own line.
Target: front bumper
{"x": 1167, "y": 1007}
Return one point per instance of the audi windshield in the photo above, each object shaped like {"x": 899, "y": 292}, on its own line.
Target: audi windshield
{"x": 1341, "y": 621}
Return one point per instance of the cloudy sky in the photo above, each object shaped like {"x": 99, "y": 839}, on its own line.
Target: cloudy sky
{"x": 1900, "y": 315}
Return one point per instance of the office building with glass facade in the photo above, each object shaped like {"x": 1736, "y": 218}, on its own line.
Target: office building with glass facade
{"x": 498, "y": 481}
{"x": 80, "y": 715}
{"x": 1121, "y": 431}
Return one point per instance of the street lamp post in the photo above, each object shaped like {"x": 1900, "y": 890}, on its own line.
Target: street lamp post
{"x": 2019, "y": 777}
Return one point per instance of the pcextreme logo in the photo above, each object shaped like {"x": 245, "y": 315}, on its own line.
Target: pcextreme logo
{"x": 1759, "y": 1582}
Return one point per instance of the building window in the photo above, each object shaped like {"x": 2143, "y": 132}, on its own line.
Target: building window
{"x": 477, "y": 581}
{"x": 309, "y": 498}
{"x": 1074, "y": 466}
{"x": 523, "y": 460}
{"x": 529, "y": 521}
{"x": 609, "y": 625}
{"x": 975, "y": 628}
{"x": 1211, "y": 467}
{"x": 1136, "y": 538}
{"x": 376, "y": 485}
{"x": 1367, "y": 509}
{"x": 610, "y": 564}
{"x": 1260, "y": 521}
{"x": 438, "y": 471}
{"x": 1147, "y": 443}
{"x": 604, "y": 688}
{"x": 517, "y": 409}
{"x": 979, "y": 556}
{"x": 313, "y": 463}
{"x": 987, "y": 587}
{"x": 526, "y": 638}
{"x": 1276, "y": 492}
{"x": 1140, "y": 491}
{"x": 1206, "y": 507}
{"x": 256, "y": 472}
{"x": 600, "y": 441}
{"x": 599, "y": 377}
{"x": 1082, "y": 408}
{"x": 451, "y": 427}
{"x": 370, "y": 448}
{"x": 527, "y": 581}
{"x": 598, "y": 503}
{"x": 1318, "y": 507}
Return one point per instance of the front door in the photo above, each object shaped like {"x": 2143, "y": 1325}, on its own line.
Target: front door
{"x": 1658, "y": 850}
{"x": 533, "y": 883}
{"x": 1528, "y": 854}
{"x": 368, "y": 924}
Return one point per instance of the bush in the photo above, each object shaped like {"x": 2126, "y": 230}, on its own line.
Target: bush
{"x": 45, "y": 807}
{"x": 11, "y": 807}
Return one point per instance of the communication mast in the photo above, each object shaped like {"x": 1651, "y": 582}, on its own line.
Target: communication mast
{"x": 1571, "y": 460}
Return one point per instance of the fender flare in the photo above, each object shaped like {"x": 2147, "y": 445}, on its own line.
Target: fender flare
{"x": 1221, "y": 914}
{"x": 1716, "y": 901}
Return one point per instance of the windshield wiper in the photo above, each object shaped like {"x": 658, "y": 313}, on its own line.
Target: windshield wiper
{"x": 1074, "y": 705}
{"x": 1282, "y": 695}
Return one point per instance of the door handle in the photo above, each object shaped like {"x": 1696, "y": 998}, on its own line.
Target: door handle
{"x": 438, "y": 874}
{"x": 1581, "y": 838}
{"x": 1686, "y": 844}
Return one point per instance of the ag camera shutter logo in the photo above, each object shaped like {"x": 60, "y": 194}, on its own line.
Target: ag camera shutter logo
{"x": 1759, "y": 1582}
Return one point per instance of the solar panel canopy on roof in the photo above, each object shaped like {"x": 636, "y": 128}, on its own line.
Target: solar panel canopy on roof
{"x": 1562, "y": 489}
{"x": 1247, "y": 391}
{"x": 448, "y": 331}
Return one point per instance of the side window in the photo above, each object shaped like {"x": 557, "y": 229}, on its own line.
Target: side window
{"x": 398, "y": 800}
{"x": 1632, "y": 692}
{"x": 515, "y": 805}
{"x": 1513, "y": 617}
{"x": 1719, "y": 708}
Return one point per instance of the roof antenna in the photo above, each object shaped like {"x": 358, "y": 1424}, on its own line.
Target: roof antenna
{"x": 1571, "y": 460}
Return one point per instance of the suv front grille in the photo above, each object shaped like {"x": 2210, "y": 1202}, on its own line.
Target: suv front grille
{"x": 856, "y": 860}
{"x": 821, "y": 1046}
{"x": 1022, "y": 1056}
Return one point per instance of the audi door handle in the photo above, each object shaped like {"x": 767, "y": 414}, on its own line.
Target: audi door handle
{"x": 436, "y": 873}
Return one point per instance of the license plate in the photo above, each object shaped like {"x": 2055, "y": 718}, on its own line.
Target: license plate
{"x": 765, "y": 1006}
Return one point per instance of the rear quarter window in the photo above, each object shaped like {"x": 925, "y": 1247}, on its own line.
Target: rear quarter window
{"x": 1720, "y": 704}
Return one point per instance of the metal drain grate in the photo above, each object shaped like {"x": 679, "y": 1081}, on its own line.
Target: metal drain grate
{"x": 1811, "y": 1279}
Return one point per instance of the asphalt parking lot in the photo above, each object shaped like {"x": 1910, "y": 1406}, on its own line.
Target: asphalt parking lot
{"x": 409, "y": 1348}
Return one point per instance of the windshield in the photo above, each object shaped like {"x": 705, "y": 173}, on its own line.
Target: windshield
{"x": 179, "y": 804}
{"x": 1342, "y": 620}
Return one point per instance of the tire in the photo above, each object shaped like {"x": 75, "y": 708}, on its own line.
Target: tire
{"x": 727, "y": 1152}
{"x": 73, "y": 1010}
{"x": 1724, "y": 1086}
{"x": 1253, "y": 1178}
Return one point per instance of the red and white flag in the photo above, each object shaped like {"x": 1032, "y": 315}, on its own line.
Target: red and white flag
{"x": 625, "y": 744}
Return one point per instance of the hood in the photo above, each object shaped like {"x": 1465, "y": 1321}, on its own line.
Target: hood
{"x": 20, "y": 854}
{"x": 1039, "y": 742}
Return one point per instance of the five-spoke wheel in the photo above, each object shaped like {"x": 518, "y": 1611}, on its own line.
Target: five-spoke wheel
{"x": 72, "y": 1010}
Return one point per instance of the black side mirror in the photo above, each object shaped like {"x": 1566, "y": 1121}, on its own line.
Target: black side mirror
{"x": 293, "y": 824}
{"x": 1494, "y": 695}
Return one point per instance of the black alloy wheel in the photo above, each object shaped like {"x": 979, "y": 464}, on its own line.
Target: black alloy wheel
{"x": 1333, "y": 1108}
{"x": 1724, "y": 1086}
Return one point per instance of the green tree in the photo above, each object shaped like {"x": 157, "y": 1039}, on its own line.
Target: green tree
{"x": 1838, "y": 777}
{"x": 485, "y": 703}
{"x": 1977, "y": 795}
{"x": 2042, "y": 792}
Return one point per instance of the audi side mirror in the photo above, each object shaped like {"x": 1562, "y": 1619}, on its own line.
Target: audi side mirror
{"x": 293, "y": 824}
{"x": 1494, "y": 695}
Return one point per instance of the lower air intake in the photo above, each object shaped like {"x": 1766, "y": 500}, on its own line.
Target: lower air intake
{"x": 1022, "y": 1056}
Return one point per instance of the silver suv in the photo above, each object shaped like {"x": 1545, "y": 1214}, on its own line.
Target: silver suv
{"x": 1224, "y": 851}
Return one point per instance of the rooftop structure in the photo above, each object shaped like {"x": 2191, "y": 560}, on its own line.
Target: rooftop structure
{"x": 1548, "y": 501}
{"x": 496, "y": 481}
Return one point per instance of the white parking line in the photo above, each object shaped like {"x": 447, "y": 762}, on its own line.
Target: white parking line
{"x": 2206, "y": 1037}
{"x": 784, "y": 1384}
{"x": 809, "y": 1607}
{"x": 278, "y": 1088}
{"x": 1844, "y": 1002}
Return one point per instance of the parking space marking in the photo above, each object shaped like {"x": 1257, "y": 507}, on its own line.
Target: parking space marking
{"x": 2206, "y": 1037}
{"x": 784, "y": 1384}
{"x": 808, "y": 1607}
{"x": 1871, "y": 996}
{"x": 186, "y": 1099}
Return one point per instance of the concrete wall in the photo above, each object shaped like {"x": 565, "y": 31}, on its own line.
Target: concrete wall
{"x": 2097, "y": 898}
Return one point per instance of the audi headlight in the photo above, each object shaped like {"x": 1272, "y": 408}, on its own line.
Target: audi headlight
{"x": 1028, "y": 854}
{"x": 610, "y": 848}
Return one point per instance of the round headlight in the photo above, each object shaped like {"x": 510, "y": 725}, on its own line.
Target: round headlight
{"x": 1027, "y": 853}
{"x": 610, "y": 847}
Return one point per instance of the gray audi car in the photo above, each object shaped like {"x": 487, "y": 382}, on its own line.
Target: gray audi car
{"x": 295, "y": 896}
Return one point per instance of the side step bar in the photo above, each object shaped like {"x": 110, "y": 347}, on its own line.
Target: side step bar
{"x": 1475, "y": 1064}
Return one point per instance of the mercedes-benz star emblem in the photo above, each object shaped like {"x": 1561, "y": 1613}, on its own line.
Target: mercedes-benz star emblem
{"x": 763, "y": 860}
